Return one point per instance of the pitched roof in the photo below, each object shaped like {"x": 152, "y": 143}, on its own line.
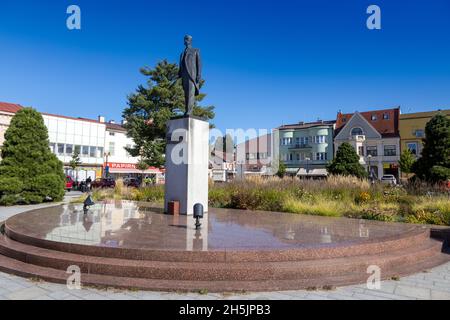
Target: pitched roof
{"x": 71, "y": 118}
{"x": 10, "y": 107}
{"x": 377, "y": 118}
{"x": 114, "y": 126}
{"x": 306, "y": 125}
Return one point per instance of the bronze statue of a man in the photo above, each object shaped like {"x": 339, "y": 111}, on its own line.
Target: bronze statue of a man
{"x": 190, "y": 73}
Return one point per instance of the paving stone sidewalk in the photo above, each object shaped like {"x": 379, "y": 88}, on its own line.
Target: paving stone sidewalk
{"x": 432, "y": 284}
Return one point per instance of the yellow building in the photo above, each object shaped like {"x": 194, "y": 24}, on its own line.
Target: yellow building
{"x": 412, "y": 129}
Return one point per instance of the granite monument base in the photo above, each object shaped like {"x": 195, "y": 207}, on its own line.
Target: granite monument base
{"x": 187, "y": 154}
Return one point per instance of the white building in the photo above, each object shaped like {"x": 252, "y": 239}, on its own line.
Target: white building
{"x": 98, "y": 143}
{"x": 7, "y": 111}
{"x": 68, "y": 135}
{"x": 375, "y": 137}
{"x": 120, "y": 163}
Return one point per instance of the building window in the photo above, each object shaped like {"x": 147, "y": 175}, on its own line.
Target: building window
{"x": 52, "y": 147}
{"x": 390, "y": 151}
{"x": 372, "y": 151}
{"x": 112, "y": 133}
{"x": 419, "y": 133}
{"x": 373, "y": 117}
{"x": 412, "y": 147}
{"x": 319, "y": 139}
{"x": 92, "y": 152}
{"x": 386, "y": 116}
{"x": 99, "y": 152}
{"x": 298, "y": 156}
{"x": 111, "y": 148}
{"x": 60, "y": 148}
{"x": 321, "y": 156}
{"x": 361, "y": 151}
{"x": 304, "y": 141}
{"x": 290, "y": 156}
{"x": 69, "y": 149}
{"x": 344, "y": 119}
{"x": 77, "y": 149}
{"x": 85, "y": 150}
{"x": 286, "y": 141}
{"x": 357, "y": 132}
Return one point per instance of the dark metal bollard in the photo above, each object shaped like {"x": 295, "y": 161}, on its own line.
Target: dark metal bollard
{"x": 198, "y": 214}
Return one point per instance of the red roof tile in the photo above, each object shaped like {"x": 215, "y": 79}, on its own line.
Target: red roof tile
{"x": 10, "y": 107}
{"x": 386, "y": 127}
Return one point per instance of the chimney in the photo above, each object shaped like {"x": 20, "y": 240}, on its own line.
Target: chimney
{"x": 112, "y": 121}
{"x": 101, "y": 119}
{"x": 124, "y": 122}
{"x": 301, "y": 123}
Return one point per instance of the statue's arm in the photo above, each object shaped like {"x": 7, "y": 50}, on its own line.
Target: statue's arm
{"x": 199, "y": 66}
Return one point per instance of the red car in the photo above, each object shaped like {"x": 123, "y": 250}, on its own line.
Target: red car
{"x": 103, "y": 183}
{"x": 69, "y": 183}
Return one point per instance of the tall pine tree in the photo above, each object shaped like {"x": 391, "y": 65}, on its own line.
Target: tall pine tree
{"x": 151, "y": 106}
{"x": 29, "y": 171}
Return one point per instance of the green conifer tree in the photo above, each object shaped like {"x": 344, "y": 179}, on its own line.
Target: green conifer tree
{"x": 29, "y": 171}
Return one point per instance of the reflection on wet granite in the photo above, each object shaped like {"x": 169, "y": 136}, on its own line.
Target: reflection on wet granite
{"x": 128, "y": 224}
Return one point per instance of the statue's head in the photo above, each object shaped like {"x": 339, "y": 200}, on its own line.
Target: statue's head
{"x": 187, "y": 40}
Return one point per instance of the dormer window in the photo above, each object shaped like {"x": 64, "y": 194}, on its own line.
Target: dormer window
{"x": 357, "y": 132}
{"x": 386, "y": 116}
{"x": 373, "y": 117}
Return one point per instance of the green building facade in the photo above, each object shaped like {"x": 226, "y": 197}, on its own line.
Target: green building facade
{"x": 306, "y": 148}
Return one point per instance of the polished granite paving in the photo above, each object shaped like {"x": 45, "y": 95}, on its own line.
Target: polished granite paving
{"x": 127, "y": 224}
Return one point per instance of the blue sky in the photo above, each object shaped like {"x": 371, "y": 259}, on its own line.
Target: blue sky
{"x": 266, "y": 63}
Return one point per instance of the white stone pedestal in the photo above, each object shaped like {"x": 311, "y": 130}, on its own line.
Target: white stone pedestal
{"x": 187, "y": 155}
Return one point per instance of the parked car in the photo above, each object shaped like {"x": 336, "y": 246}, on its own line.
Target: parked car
{"x": 69, "y": 183}
{"x": 389, "y": 179}
{"x": 103, "y": 183}
{"x": 131, "y": 182}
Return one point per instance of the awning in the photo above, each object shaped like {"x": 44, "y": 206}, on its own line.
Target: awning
{"x": 312, "y": 172}
{"x": 291, "y": 170}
